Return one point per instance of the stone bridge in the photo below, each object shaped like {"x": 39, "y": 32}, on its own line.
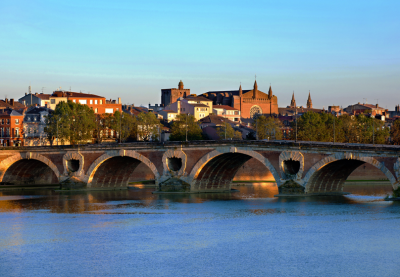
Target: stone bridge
{"x": 204, "y": 166}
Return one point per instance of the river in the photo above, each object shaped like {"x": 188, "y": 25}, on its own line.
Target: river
{"x": 247, "y": 233}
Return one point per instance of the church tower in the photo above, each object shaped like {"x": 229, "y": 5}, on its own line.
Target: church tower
{"x": 270, "y": 93}
{"x": 255, "y": 89}
{"x": 180, "y": 85}
{"x": 309, "y": 101}
{"x": 293, "y": 102}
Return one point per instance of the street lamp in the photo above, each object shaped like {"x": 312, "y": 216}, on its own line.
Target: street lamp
{"x": 186, "y": 126}
{"x": 120, "y": 127}
{"x": 296, "y": 123}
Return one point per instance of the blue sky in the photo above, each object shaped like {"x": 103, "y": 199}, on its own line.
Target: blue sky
{"x": 342, "y": 51}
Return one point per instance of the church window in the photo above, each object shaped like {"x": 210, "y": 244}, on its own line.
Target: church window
{"x": 255, "y": 111}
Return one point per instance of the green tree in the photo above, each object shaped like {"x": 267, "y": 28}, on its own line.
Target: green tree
{"x": 71, "y": 122}
{"x": 267, "y": 128}
{"x": 395, "y": 132}
{"x": 185, "y": 122}
{"x": 125, "y": 124}
{"x": 148, "y": 127}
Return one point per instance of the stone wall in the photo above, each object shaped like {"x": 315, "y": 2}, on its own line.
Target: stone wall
{"x": 253, "y": 170}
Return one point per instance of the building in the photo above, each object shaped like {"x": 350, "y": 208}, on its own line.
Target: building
{"x": 197, "y": 106}
{"x": 39, "y": 99}
{"x": 11, "y": 104}
{"x": 248, "y": 102}
{"x": 98, "y": 103}
{"x": 365, "y": 108}
{"x": 171, "y": 95}
{"x": 227, "y": 112}
{"x": 210, "y": 123}
{"x": 34, "y": 126}
{"x": 396, "y": 112}
{"x": 168, "y": 115}
{"x": 11, "y": 128}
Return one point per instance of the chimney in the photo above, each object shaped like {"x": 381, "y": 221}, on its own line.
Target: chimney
{"x": 24, "y": 102}
{"x": 119, "y": 100}
{"x": 36, "y": 93}
{"x": 6, "y": 100}
{"x": 12, "y": 101}
{"x": 377, "y": 105}
{"x": 26, "y": 93}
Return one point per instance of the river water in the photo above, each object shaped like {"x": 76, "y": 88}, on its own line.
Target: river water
{"x": 248, "y": 233}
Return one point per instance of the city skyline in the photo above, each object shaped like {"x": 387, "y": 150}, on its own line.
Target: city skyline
{"x": 342, "y": 52}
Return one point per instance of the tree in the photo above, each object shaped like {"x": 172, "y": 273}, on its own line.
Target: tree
{"x": 103, "y": 126}
{"x": 126, "y": 126}
{"x": 148, "y": 127}
{"x": 185, "y": 122}
{"x": 267, "y": 128}
{"x": 71, "y": 122}
{"x": 395, "y": 132}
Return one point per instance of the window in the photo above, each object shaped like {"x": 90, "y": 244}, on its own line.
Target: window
{"x": 101, "y": 102}
{"x": 95, "y": 101}
{"x": 8, "y": 131}
{"x": 34, "y": 118}
{"x": 96, "y": 110}
{"x": 17, "y": 132}
{"x": 28, "y": 119}
{"x": 91, "y": 101}
{"x": 8, "y": 121}
{"x": 83, "y": 102}
{"x": 52, "y": 101}
{"x": 2, "y": 121}
{"x": 109, "y": 110}
{"x": 2, "y": 131}
{"x": 17, "y": 121}
{"x": 74, "y": 101}
{"x": 117, "y": 109}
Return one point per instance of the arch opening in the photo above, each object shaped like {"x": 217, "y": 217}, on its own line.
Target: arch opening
{"x": 174, "y": 163}
{"x": 332, "y": 176}
{"x": 217, "y": 173}
{"x": 119, "y": 171}
{"x": 29, "y": 172}
{"x": 73, "y": 165}
{"x": 291, "y": 167}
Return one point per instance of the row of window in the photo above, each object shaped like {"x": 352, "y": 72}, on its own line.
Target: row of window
{"x": 84, "y": 101}
{"x": 5, "y": 132}
{"x": 7, "y": 121}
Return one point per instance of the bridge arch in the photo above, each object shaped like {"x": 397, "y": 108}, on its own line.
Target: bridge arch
{"x": 216, "y": 170}
{"x": 117, "y": 167}
{"x": 330, "y": 173}
{"x": 28, "y": 168}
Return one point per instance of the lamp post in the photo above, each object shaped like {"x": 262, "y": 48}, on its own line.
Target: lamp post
{"x": 120, "y": 127}
{"x": 373, "y": 131}
{"x": 186, "y": 126}
{"x": 334, "y": 129}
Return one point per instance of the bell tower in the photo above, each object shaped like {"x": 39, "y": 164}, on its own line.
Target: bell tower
{"x": 180, "y": 85}
{"x": 309, "y": 101}
{"x": 293, "y": 102}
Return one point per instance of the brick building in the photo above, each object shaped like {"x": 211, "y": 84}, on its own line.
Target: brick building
{"x": 227, "y": 112}
{"x": 365, "y": 108}
{"x": 248, "y": 102}
{"x": 39, "y": 99}
{"x": 171, "y": 95}
{"x": 98, "y": 103}
{"x": 11, "y": 130}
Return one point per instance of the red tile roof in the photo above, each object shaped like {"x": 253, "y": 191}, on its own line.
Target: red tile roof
{"x": 225, "y": 107}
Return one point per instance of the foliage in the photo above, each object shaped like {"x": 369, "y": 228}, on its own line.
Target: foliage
{"x": 71, "y": 122}
{"x": 251, "y": 136}
{"x": 148, "y": 127}
{"x": 313, "y": 126}
{"x": 227, "y": 132}
{"x": 267, "y": 128}
{"x": 185, "y": 122}
{"x": 395, "y": 132}
{"x": 126, "y": 126}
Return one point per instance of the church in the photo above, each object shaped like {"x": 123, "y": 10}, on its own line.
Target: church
{"x": 248, "y": 102}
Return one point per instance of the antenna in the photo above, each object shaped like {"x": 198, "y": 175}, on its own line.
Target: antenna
{"x": 43, "y": 89}
{"x": 366, "y": 100}
{"x": 377, "y": 101}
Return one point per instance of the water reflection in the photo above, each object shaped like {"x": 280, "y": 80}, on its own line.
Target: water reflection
{"x": 142, "y": 197}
